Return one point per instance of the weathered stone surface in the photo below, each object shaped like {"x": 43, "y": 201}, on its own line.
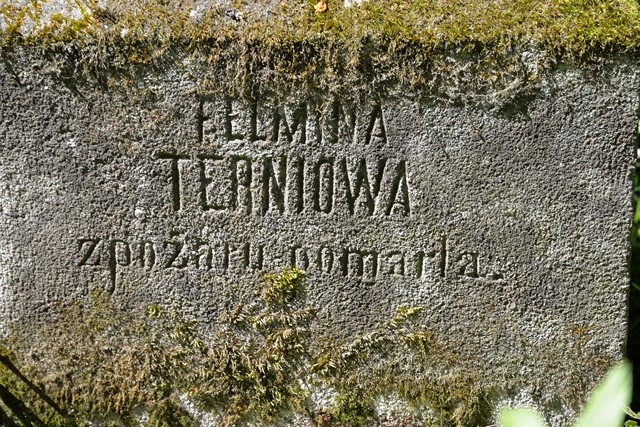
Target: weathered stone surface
{"x": 510, "y": 229}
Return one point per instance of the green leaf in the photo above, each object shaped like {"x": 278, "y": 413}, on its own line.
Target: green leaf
{"x": 631, "y": 424}
{"x": 626, "y": 409}
{"x": 605, "y": 407}
{"x": 522, "y": 417}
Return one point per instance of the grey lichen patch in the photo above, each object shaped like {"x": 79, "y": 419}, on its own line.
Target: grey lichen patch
{"x": 262, "y": 361}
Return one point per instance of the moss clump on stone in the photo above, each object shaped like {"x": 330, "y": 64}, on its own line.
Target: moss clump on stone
{"x": 267, "y": 359}
{"x": 261, "y": 361}
{"x": 260, "y": 42}
{"x": 570, "y": 25}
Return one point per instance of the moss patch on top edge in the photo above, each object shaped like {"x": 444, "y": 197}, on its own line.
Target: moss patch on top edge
{"x": 463, "y": 51}
{"x": 565, "y": 27}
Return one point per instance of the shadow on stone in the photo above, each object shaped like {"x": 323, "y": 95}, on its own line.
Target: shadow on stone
{"x": 13, "y": 409}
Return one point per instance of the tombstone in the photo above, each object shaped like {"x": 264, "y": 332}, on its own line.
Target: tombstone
{"x": 497, "y": 228}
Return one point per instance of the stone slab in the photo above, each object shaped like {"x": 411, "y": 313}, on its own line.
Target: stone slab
{"x": 510, "y": 229}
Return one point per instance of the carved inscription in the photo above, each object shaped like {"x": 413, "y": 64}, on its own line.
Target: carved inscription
{"x": 367, "y": 265}
{"x": 175, "y": 176}
{"x": 285, "y": 185}
{"x": 335, "y": 122}
{"x": 172, "y": 254}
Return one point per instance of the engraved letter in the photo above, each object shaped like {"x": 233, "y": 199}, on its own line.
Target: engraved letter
{"x": 325, "y": 259}
{"x": 361, "y": 186}
{"x": 295, "y": 199}
{"x": 119, "y": 255}
{"x": 468, "y": 264}
{"x": 175, "y": 176}
{"x": 299, "y": 257}
{"x": 444, "y": 257}
{"x": 289, "y": 128}
{"x": 241, "y": 196}
{"x": 273, "y": 187}
{"x": 229, "y": 117}
{"x": 419, "y": 259}
{"x": 203, "y": 255}
{"x": 255, "y": 124}
{"x": 250, "y": 257}
{"x": 419, "y": 262}
{"x": 361, "y": 264}
{"x": 147, "y": 254}
{"x": 395, "y": 266}
{"x": 205, "y": 184}
{"x": 90, "y": 245}
{"x": 256, "y": 256}
{"x": 323, "y": 185}
{"x": 399, "y": 191}
{"x": 376, "y": 129}
{"x": 172, "y": 256}
{"x": 342, "y": 123}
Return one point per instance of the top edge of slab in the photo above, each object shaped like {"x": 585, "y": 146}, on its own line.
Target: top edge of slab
{"x": 559, "y": 27}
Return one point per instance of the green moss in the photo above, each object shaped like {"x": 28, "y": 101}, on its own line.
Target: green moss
{"x": 284, "y": 286}
{"x": 377, "y": 43}
{"x": 573, "y": 25}
{"x": 353, "y": 408}
{"x": 260, "y": 361}
{"x": 263, "y": 361}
